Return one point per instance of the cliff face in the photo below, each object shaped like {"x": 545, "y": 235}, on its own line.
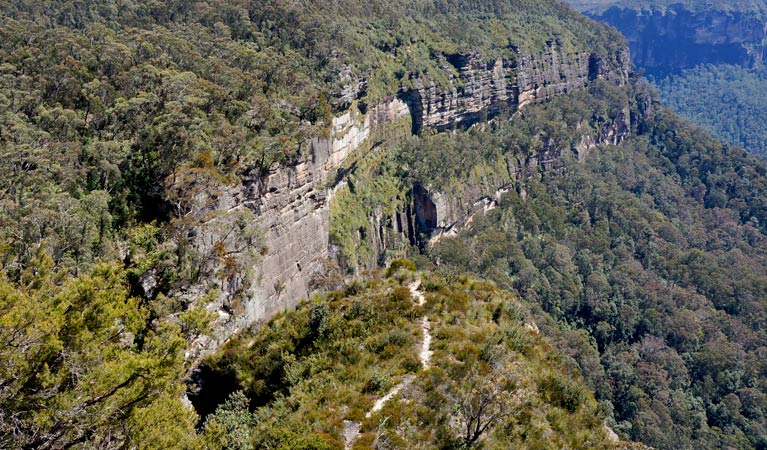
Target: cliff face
{"x": 486, "y": 88}
{"x": 677, "y": 38}
{"x": 291, "y": 207}
{"x": 440, "y": 214}
{"x": 291, "y": 204}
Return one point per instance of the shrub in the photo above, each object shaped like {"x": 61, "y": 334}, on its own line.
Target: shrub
{"x": 562, "y": 392}
{"x": 377, "y": 383}
{"x": 318, "y": 321}
{"x": 398, "y": 264}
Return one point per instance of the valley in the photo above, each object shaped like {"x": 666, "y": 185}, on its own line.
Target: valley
{"x": 706, "y": 59}
{"x": 314, "y": 225}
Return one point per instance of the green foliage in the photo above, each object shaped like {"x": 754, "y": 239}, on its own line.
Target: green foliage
{"x": 488, "y": 157}
{"x": 655, "y": 248}
{"x": 229, "y": 427}
{"x": 303, "y": 389}
{"x": 166, "y": 423}
{"x": 563, "y": 392}
{"x": 301, "y": 364}
{"x": 729, "y": 101}
{"x": 378, "y": 383}
{"x": 106, "y": 110}
{"x": 294, "y": 441}
{"x": 400, "y": 264}
{"x": 82, "y": 366}
{"x": 318, "y": 320}
{"x": 121, "y": 128}
{"x": 752, "y": 8}
{"x": 196, "y": 322}
{"x": 373, "y": 189}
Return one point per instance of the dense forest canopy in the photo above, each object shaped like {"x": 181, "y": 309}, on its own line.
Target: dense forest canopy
{"x": 646, "y": 259}
{"x": 726, "y": 100}
{"x": 756, "y": 7}
{"x": 655, "y": 249}
{"x": 122, "y": 123}
{"x": 108, "y": 106}
{"x": 706, "y": 58}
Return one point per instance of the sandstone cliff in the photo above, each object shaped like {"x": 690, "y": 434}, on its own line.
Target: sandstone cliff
{"x": 677, "y": 36}
{"x": 440, "y": 214}
{"x": 291, "y": 204}
{"x": 485, "y": 88}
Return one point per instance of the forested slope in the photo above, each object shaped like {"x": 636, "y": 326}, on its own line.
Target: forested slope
{"x": 121, "y": 126}
{"x": 633, "y": 239}
{"x": 491, "y": 382}
{"x": 726, "y": 100}
{"x": 655, "y": 249}
{"x": 706, "y": 58}
{"x": 117, "y": 115}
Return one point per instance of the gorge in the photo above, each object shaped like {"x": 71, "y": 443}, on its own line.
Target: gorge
{"x": 380, "y": 224}
{"x": 667, "y": 36}
{"x": 292, "y": 204}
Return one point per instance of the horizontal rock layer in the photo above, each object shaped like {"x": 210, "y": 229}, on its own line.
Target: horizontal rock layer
{"x": 441, "y": 214}
{"x": 486, "y": 88}
{"x": 676, "y": 38}
{"x": 292, "y": 203}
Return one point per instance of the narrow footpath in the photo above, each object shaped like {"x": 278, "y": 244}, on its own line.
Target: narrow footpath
{"x": 352, "y": 428}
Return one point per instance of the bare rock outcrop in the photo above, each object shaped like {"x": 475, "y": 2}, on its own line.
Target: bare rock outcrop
{"x": 291, "y": 203}
{"x": 678, "y": 36}
{"x": 291, "y": 208}
{"x": 485, "y": 88}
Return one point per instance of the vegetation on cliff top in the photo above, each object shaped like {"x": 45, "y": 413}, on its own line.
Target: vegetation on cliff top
{"x": 649, "y": 255}
{"x": 121, "y": 127}
{"x": 84, "y": 366}
{"x": 299, "y": 378}
{"x": 656, "y": 249}
{"x": 754, "y": 7}
{"x": 109, "y": 113}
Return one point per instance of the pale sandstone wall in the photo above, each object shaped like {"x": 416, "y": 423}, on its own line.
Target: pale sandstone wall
{"x": 291, "y": 204}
